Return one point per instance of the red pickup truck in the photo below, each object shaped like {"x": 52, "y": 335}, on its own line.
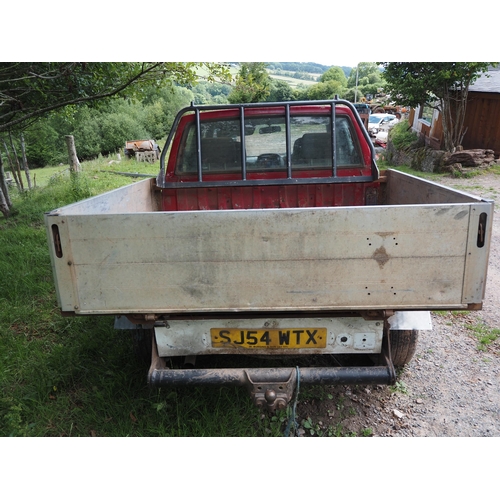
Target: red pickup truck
{"x": 270, "y": 249}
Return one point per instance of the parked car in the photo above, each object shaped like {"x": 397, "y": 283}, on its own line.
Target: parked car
{"x": 381, "y": 121}
{"x": 381, "y": 137}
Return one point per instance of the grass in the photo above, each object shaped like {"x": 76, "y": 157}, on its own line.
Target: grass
{"x": 98, "y": 169}
{"x": 294, "y": 82}
{"x": 79, "y": 376}
{"x": 470, "y": 173}
{"x": 485, "y": 335}
{"x": 435, "y": 176}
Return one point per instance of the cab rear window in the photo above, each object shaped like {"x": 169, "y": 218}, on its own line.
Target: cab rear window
{"x": 265, "y": 144}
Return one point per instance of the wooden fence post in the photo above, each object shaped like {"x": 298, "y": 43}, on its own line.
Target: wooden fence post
{"x": 74, "y": 164}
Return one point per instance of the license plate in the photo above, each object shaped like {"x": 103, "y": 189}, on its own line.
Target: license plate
{"x": 274, "y": 338}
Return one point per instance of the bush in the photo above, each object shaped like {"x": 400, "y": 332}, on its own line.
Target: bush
{"x": 103, "y": 129}
{"x": 404, "y": 147}
{"x": 117, "y": 128}
{"x": 41, "y": 145}
{"x": 403, "y": 137}
{"x": 402, "y": 140}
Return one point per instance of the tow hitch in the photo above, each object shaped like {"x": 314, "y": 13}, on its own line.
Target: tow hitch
{"x": 271, "y": 388}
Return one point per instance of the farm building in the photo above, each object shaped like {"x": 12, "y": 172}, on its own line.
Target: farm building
{"x": 482, "y": 119}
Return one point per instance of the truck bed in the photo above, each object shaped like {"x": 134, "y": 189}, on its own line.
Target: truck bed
{"x": 421, "y": 247}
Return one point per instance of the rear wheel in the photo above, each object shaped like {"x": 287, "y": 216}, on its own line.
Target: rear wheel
{"x": 403, "y": 346}
{"x": 142, "y": 342}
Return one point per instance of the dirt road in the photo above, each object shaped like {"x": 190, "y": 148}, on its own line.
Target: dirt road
{"x": 450, "y": 388}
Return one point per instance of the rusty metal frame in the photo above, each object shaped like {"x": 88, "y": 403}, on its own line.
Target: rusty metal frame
{"x": 272, "y": 388}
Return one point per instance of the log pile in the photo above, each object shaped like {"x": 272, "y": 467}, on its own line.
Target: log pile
{"x": 471, "y": 158}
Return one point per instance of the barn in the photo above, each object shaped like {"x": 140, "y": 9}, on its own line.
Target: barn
{"x": 482, "y": 119}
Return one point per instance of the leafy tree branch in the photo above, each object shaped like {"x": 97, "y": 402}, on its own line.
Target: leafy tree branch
{"x": 30, "y": 90}
{"x": 441, "y": 85}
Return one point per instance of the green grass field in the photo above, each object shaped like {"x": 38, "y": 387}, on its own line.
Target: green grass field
{"x": 79, "y": 376}
{"x": 293, "y": 82}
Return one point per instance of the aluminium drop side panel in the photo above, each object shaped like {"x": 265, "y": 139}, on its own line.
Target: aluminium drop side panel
{"x": 476, "y": 264}
{"x": 62, "y": 268}
{"x": 405, "y": 189}
{"x": 343, "y": 258}
{"x": 135, "y": 198}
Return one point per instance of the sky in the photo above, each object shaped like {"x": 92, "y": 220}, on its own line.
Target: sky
{"x": 263, "y": 31}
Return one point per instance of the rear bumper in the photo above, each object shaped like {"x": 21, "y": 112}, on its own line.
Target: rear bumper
{"x": 271, "y": 388}
{"x": 365, "y": 375}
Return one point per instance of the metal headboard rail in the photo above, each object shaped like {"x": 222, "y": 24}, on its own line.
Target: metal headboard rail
{"x": 244, "y": 181}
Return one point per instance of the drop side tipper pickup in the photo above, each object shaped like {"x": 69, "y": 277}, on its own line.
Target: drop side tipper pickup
{"x": 270, "y": 250}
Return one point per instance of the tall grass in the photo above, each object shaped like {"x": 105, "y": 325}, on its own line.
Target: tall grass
{"x": 79, "y": 376}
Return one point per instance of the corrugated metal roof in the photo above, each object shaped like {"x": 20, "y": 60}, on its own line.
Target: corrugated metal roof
{"x": 487, "y": 84}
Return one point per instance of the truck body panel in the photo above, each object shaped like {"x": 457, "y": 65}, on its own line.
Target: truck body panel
{"x": 402, "y": 256}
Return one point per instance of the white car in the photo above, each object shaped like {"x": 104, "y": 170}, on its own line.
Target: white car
{"x": 382, "y": 136}
{"x": 381, "y": 121}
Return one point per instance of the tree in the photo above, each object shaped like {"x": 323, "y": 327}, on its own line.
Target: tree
{"x": 210, "y": 93}
{"x": 29, "y": 90}
{"x": 325, "y": 90}
{"x": 5, "y": 203}
{"x": 441, "y": 85}
{"x": 253, "y": 84}
{"x": 336, "y": 74}
{"x": 300, "y": 92}
{"x": 366, "y": 78}
{"x": 368, "y": 70}
{"x": 280, "y": 91}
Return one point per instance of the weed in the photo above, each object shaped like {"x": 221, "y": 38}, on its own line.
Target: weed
{"x": 337, "y": 431}
{"x": 403, "y": 137}
{"x": 340, "y": 403}
{"x": 465, "y": 174}
{"x": 470, "y": 173}
{"x": 440, "y": 313}
{"x": 316, "y": 429}
{"x": 484, "y": 335}
{"x": 309, "y": 426}
{"x": 278, "y": 421}
{"x": 400, "y": 387}
{"x": 80, "y": 186}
